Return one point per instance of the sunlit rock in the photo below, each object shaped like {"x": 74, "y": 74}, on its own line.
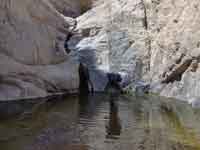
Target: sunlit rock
{"x": 195, "y": 102}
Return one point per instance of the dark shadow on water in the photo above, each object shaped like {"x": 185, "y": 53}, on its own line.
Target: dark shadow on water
{"x": 88, "y": 105}
{"x": 113, "y": 128}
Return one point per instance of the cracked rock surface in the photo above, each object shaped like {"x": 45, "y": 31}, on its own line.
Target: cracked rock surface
{"x": 43, "y": 41}
{"x": 162, "y": 34}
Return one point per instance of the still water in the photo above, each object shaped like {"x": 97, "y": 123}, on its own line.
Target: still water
{"x": 100, "y": 122}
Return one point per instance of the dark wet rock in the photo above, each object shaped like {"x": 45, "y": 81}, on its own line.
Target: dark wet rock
{"x": 176, "y": 73}
{"x": 86, "y": 85}
{"x": 114, "y": 77}
{"x": 113, "y": 84}
{"x": 142, "y": 88}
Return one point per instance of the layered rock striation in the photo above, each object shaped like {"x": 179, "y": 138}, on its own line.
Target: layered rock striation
{"x": 155, "y": 41}
{"x": 33, "y": 59}
{"x": 42, "y": 43}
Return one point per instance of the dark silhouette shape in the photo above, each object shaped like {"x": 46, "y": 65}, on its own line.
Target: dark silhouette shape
{"x": 85, "y": 81}
{"x": 113, "y": 81}
{"x": 114, "y": 77}
{"x": 66, "y": 42}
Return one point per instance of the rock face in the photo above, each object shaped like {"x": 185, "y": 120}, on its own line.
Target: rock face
{"x": 175, "y": 48}
{"x": 33, "y": 61}
{"x": 42, "y": 42}
{"x": 106, "y": 41}
{"x": 152, "y": 40}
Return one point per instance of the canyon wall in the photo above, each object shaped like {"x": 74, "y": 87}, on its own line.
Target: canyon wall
{"x": 43, "y": 41}
{"x": 33, "y": 59}
{"x": 156, "y": 41}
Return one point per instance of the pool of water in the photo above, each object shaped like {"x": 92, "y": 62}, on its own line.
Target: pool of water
{"x": 100, "y": 122}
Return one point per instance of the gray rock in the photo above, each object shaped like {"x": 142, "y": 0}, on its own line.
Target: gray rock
{"x": 163, "y": 35}
{"x": 152, "y": 41}
{"x": 99, "y": 79}
{"x": 195, "y": 102}
{"x": 141, "y": 88}
{"x": 108, "y": 43}
{"x": 33, "y": 60}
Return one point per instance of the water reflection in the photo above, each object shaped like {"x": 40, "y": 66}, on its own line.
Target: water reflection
{"x": 188, "y": 138}
{"x": 113, "y": 128}
{"x": 101, "y": 122}
{"x": 88, "y": 106}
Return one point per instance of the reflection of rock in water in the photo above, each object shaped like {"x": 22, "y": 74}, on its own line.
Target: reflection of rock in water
{"x": 113, "y": 128}
{"x": 113, "y": 84}
{"x": 184, "y": 136}
{"x": 88, "y": 105}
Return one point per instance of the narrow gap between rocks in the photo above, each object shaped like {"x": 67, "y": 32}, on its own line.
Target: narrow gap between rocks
{"x": 85, "y": 85}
